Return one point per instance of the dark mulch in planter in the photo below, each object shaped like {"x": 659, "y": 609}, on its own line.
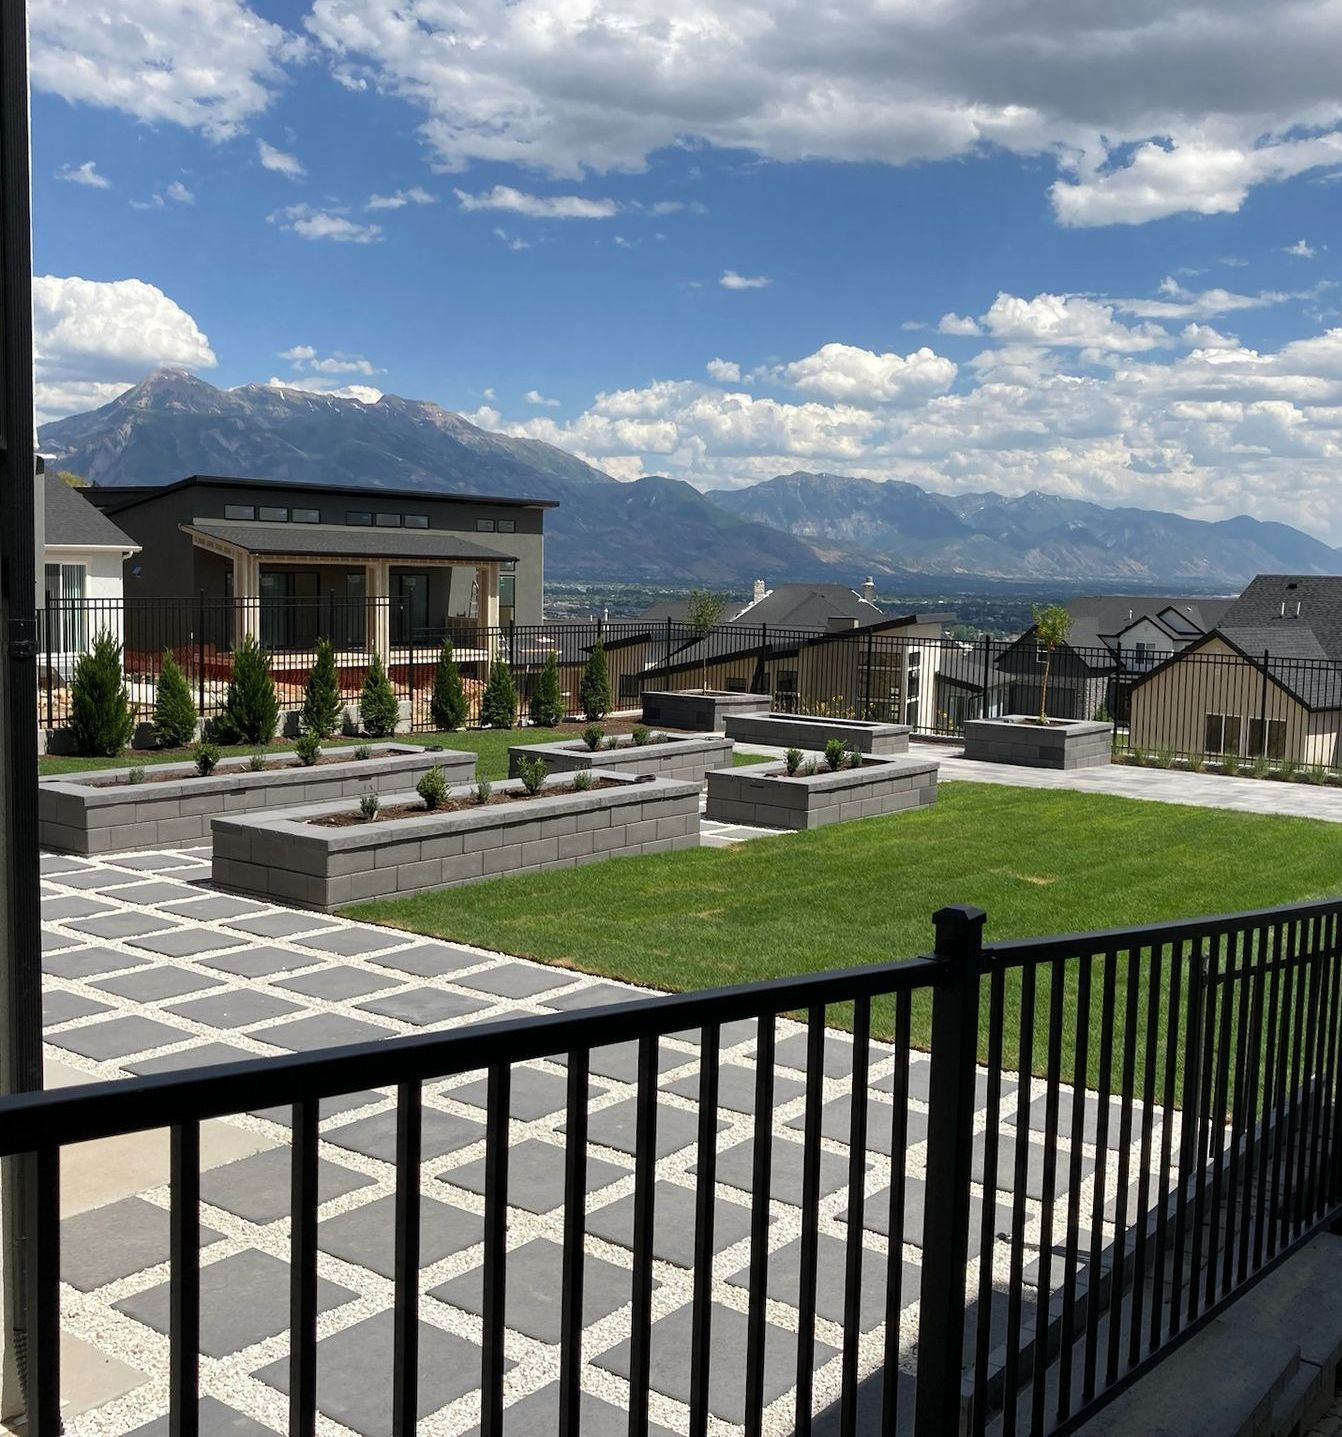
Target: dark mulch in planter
{"x": 234, "y": 769}
{"x": 455, "y": 805}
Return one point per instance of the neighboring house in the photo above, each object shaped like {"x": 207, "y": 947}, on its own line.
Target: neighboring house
{"x": 1113, "y": 639}
{"x": 83, "y": 557}
{"x": 1265, "y": 683}
{"x": 303, "y": 559}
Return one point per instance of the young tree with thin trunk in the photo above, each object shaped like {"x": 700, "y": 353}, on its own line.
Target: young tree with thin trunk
{"x": 703, "y": 613}
{"x": 1052, "y": 624}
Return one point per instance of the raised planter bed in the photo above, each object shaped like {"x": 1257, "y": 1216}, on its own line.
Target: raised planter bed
{"x": 807, "y": 731}
{"x": 667, "y": 756}
{"x": 763, "y": 796}
{"x": 1019, "y": 739}
{"x": 94, "y": 812}
{"x": 286, "y": 856}
{"x": 698, "y": 710}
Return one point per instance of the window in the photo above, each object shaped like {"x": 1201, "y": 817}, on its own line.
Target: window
{"x": 273, "y": 514}
{"x": 358, "y": 516}
{"x": 484, "y": 526}
{"x": 1222, "y": 733}
{"x": 416, "y": 521}
{"x": 65, "y": 592}
{"x": 1276, "y": 738}
{"x": 388, "y": 521}
{"x": 507, "y": 598}
{"x": 507, "y": 526}
{"x": 307, "y": 516}
{"x": 239, "y": 511}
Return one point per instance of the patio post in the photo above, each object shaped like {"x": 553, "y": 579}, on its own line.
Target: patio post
{"x": 379, "y": 598}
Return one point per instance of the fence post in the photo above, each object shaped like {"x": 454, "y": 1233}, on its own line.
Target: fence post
{"x": 666, "y": 657}
{"x": 987, "y": 673}
{"x": 200, "y": 657}
{"x": 870, "y": 714}
{"x": 1262, "y": 714}
{"x": 51, "y": 715}
{"x": 950, "y": 1122}
{"x": 1118, "y": 690}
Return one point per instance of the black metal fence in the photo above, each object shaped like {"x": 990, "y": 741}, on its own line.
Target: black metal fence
{"x": 1214, "y": 704}
{"x": 1111, "y": 1135}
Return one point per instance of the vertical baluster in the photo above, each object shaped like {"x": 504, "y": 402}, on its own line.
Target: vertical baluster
{"x": 1328, "y": 1116}
{"x": 1131, "y": 984}
{"x": 405, "y": 1311}
{"x": 1020, "y": 1174}
{"x": 1204, "y": 1098}
{"x": 1314, "y": 1010}
{"x": 184, "y": 1281}
{"x": 810, "y": 1202}
{"x": 1154, "y": 969}
{"x": 1239, "y": 1077}
{"x": 759, "y": 1224}
{"x": 498, "y": 1099}
{"x": 43, "y": 1386}
{"x": 1292, "y": 1213}
{"x": 1173, "y": 1013}
{"x": 645, "y": 1161}
{"x": 1218, "y": 1108}
{"x": 575, "y": 1219}
{"x": 1285, "y": 1089}
{"x": 303, "y": 1271}
{"x": 1264, "y": 1239}
{"x": 894, "y": 1279}
{"x": 1255, "y": 958}
{"x": 705, "y": 1198}
{"x": 1094, "y": 1273}
{"x": 1057, "y": 983}
{"x": 1188, "y": 1130}
{"x": 857, "y": 1181}
{"x": 1080, "y": 1091}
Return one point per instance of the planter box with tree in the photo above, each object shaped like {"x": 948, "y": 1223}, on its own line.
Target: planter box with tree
{"x": 811, "y": 732}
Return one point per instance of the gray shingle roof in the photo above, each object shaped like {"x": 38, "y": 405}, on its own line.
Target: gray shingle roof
{"x": 340, "y": 541}
{"x": 71, "y": 521}
{"x": 1284, "y": 612}
{"x": 1097, "y": 618}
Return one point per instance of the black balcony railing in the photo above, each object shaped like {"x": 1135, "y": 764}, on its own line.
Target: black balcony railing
{"x": 1178, "y": 1137}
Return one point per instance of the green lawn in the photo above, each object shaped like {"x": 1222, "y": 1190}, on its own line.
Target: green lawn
{"x": 1038, "y": 862}
{"x": 490, "y": 745}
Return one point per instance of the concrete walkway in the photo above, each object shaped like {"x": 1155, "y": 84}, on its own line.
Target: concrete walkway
{"x": 148, "y": 969}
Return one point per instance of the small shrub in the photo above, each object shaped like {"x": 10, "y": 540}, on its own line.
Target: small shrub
{"x": 135, "y": 774}
{"x": 1194, "y": 762}
{"x": 1261, "y": 767}
{"x": 1165, "y": 758}
{"x": 498, "y": 706}
{"x": 1101, "y": 715}
{"x": 251, "y": 709}
{"x": 1230, "y": 764}
{"x": 533, "y": 771}
{"x": 836, "y": 754}
{"x": 855, "y": 758}
{"x": 641, "y": 734}
{"x": 369, "y": 805}
{"x": 1315, "y": 774}
{"x": 206, "y": 756}
{"x": 592, "y": 736}
{"x": 308, "y": 748}
{"x": 256, "y": 762}
{"x": 174, "y": 708}
{"x": 547, "y": 703}
{"x": 810, "y": 768}
{"x": 379, "y": 709}
{"x": 792, "y": 761}
{"x": 101, "y": 716}
{"x": 611, "y": 742}
{"x": 363, "y": 751}
{"x": 448, "y": 704}
{"x": 582, "y": 780}
{"x": 1136, "y": 758}
{"x": 594, "y": 690}
{"x": 432, "y": 788}
{"x": 323, "y": 703}
{"x": 483, "y": 789}
{"x": 1288, "y": 770}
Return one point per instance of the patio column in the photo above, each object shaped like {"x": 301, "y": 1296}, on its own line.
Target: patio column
{"x": 379, "y": 591}
{"x": 488, "y": 578}
{"x": 247, "y": 596}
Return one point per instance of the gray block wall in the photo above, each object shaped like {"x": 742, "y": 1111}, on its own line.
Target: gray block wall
{"x": 74, "y": 816}
{"x": 1032, "y": 745}
{"x": 283, "y": 857}
{"x": 806, "y": 732}
{"x": 682, "y": 758}
{"x": 762, "y": 796}
{"x": 697, "y": 711}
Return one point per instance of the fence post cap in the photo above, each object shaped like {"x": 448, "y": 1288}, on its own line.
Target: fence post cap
{"x": 959, "y": 929}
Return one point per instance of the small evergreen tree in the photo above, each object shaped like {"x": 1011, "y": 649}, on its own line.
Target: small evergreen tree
{"x": 447, "y": 705}
{"x": 547, "y": 703}
{"x": 101, "y": 716}
{"x": 323, "y": 703}
{"x": 251, "y": 711}
{"x": 174, "y": 708}
{"x": 594, "y": 691}
{"x": 379, "y": 708}
{"x": 498, "y": 707}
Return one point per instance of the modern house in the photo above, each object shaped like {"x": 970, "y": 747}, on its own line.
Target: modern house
{"x": 1266, "y": 682}
{"x": 84, "y": 554}
{"x": 298, "y": 560}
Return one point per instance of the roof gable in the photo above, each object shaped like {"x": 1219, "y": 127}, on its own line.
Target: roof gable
{"x": 71, "y": 522}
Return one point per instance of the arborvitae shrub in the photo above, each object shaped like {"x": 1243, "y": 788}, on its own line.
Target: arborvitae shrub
{"x": 498, "y": 707}
{"x": 594, "y": 692}
{"x": 379, "y": 709}
{"x": 323, "y": 703}
{"x": 102, "y": 719}
{"x": 448, "y": 704}
{"x": 547, "y": 703}
{"x": 252, "y": 708}
{"x": 174, "y": 708}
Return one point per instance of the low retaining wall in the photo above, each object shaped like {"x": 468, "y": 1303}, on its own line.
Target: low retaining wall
{"x": 1061, "y": 743}
{"x": 683, "y": 758}
{"x": 697, "y": 711}
{"x": 75, "y": 816}
{"x": 282, "y": 857}
{"x": 762, "y": 796}
{"x": 807, "y": 731}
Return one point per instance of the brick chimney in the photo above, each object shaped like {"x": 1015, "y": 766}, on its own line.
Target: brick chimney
{"x": 759, "y": 591}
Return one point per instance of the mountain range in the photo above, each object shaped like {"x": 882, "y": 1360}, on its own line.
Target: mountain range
{"x": 657, "y": 530}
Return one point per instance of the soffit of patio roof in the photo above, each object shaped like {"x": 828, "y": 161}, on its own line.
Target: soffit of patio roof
{"x": 334, "y": 543}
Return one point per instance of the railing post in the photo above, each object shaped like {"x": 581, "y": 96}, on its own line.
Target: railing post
{"x": 1262, "y": 713}
{"x": 51, "y": 715}
{"x": 955, "y": 1026}
{"x": 1118, "y": 690}
{"x": 200, "y": 657}
{"x": 987, "y": 675}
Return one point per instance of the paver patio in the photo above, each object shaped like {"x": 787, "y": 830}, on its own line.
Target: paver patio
{"x": 158, "y": 981}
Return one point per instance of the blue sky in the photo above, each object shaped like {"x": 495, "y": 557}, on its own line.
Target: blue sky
{"x": 990, "y": 251}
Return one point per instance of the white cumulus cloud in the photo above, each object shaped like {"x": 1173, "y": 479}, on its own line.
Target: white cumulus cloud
{"x": 1301, "y": 249}
{"x": 846, "y": 373}
{"x": 726, "y": 371}
{"x": 1068, "y": 320}
{"x": 85, "y": 174}
{"x": 546, "y": 207}
{"x": 534, "y": 396}
{"x": 958, "y": 324}
{"x": 731, "y": 280}
{"x": 280, "y": 161}
{"x": 318, "y": 224}
{"x": 398, "y": 199}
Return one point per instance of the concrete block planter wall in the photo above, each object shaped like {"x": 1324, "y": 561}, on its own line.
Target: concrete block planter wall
{"x": 75, "y": 815}
{"x": 763, "y": 796}
{"x": 697, "y": 710}
{"x": 684, "y": 758}
{"x": 284, "y": 857}
{"x": 806, "y": 731}
{"x": 1060, "y": 743}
